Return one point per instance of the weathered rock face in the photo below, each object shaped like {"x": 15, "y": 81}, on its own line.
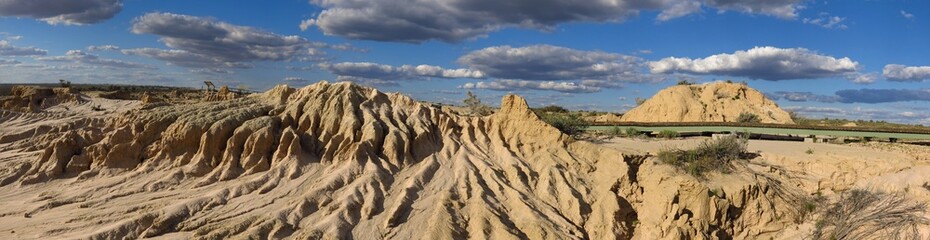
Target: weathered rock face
{"x": 710, "y": 102}
{"x": 340, "y": 161}
{"x": 34, "y": 99}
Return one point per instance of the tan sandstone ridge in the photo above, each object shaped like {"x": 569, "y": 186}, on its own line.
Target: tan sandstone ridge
{"x": 341, "y": 161}
{"x": 709, "y": 102}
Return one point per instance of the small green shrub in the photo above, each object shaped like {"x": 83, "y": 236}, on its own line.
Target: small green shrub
{"x": 748, "y": 118}
{"x": 669, "y": 134}
{"x": 710, "y": 155}
{"x": 640, "y": 101}
{"x": 570, "y": 124}
{"x": 809, "y": 151}
{"x": 614, "y": 131}
{"x": 809, "y": 206}
{"x": 684, "y": 82}
{"x": 632, "y": 132}
{"x": 553, "y": 109}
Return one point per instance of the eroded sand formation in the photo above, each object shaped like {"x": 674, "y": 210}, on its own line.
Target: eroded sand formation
{"x": 605, "y": 118}
{"x": 35, "y": 99}
{"x": 709, "y": 102}
{"x": 340, "y": 161}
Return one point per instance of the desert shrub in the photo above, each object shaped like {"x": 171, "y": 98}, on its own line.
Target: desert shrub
{"x": 475, "y": 106}
{"x": 570, "y": 124}
{"x": 553, "y": 109}
{"x": 640, "y": 101}
{"x": 684, "y": 82}
{"x": 614, "y": 131}
{"x": 632, "y": 132}
{"x": 710, "y": 155}
{"x": 668, "y": 134}
{"x": 809, "y": 206}
{"x": 862, "y": 214}
{"x": 809, "y": 151}
{"x": 748, "y": 118}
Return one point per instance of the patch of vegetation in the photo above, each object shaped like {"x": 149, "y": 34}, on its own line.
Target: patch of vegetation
{"x": 710, "y": 155}
{"x": 614, "y": 131}
{"x": 475, "y": 106}
{"x": 837, "y": 122}
{"x": 809, "y": 206}
{"x": 809, "y": 151}
{"x": 552, "y": 109}
{"x": 640, "y": 101}
{"x": 685, "y": 82}
{"x": 748, "y": 118}
{"x": 862, "y": 214}
{"x": 632, "y": 132}
{"x": 568, "y": 123}
{"x": 669, "y": 134}
{"x": 96, "y": 108}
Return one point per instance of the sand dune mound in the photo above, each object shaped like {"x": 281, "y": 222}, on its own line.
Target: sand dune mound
{"x": 340, "y": 161}
{"x": 709, "y": 102}
{"x": 35, "y": 99}
{"x": 604, "y": 118}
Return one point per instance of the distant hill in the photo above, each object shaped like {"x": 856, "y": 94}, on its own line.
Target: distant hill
{"x": 709, "y": 102}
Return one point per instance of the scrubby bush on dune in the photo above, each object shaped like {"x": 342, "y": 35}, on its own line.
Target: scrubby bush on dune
{"x": 862, "y": 214}
{"x": 669, "y": 134}
{"x": 632, "y": 132}
{"x": 710, "y": 155}
{"x": 614, "y": 131}
{"x": 553, "y": 109}
{"x": 748, "y": 118}
{"x": 567, "y": 123}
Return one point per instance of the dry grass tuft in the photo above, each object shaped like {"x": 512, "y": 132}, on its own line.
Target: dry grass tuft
{"x": 862, "y": 214}
{"x": 710, "y": 155}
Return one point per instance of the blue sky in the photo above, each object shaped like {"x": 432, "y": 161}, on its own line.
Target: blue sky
{"x": 851, "y": 59}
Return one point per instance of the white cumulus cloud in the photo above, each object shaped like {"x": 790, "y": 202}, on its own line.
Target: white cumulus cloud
{"x": 902, "y": 73}
{"x": 767, "y": 63}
